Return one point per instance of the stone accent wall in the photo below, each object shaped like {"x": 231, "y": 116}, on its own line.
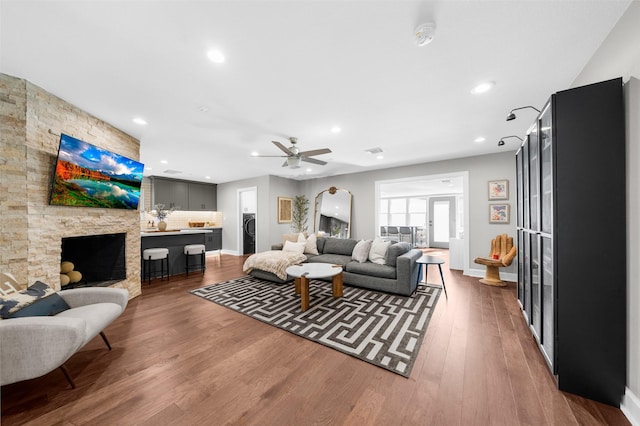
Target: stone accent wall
{"x": 33, "y": 138}
{"x": 14, "y": 234}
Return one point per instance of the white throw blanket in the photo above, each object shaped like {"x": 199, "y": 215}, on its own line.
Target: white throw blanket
{"x": 274, "y": 261}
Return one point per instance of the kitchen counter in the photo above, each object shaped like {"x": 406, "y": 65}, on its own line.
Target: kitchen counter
{"x": 155, "y": 233}
{"x": 175, "y": 240}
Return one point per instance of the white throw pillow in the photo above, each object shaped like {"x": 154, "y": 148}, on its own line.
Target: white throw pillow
{"x": 311, "y": 246}
{"x": 378, "y": 251}
{"x": 293, "y": 247}
{"x": 361, "y": 251}
{"x": 291, "y": 237}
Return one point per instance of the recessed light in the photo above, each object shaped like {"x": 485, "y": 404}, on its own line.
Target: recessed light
{"x": 140, "y": 121}
{"x": 207, "y": 177}
{"x": 309, "y": 170}
{"x": 379, "y": 157}
{"x": 479, "y": 139}
{"x": 215, "y": 56}
{"x": 483, "y": 87}
{"x": 336, "y": 129}
{"x": 148, "y": 168}
{"x": 164, "y": 161}
{"x": 255, "y": 154}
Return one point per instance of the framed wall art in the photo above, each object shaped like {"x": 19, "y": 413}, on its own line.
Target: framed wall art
{"x": 499, "y": 189}
{"x": 285, "y": 209}
{"x": 499, "y": 213}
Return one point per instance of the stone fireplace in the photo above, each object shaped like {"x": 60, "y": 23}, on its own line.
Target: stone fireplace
{"x": 31, "y": 231}
{"x": 99, "y": 258}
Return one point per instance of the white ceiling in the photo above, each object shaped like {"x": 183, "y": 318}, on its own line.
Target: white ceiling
{"x": 300, "y": 68}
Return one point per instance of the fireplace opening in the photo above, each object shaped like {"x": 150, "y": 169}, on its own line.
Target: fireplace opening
{"x": 99, "y": 258}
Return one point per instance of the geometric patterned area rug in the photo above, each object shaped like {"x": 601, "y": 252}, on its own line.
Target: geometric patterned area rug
{"x": 380, "y": 328}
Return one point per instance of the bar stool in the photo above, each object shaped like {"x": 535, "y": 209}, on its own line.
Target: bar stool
{"x": 195, "y": 250}
{"x": 392, "y": 231}
{"x": 383, "y": 231}
{"x": 405, "y": 231}
{"x": 151, "y": 254}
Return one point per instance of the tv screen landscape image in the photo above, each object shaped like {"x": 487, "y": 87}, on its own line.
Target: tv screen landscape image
{"x": 88, "y": 176}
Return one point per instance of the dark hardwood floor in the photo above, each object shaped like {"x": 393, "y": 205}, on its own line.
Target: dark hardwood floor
{"x": 180, "y": 360}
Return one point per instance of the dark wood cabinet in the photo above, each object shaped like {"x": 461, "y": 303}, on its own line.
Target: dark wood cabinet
{"x": 202, "y": 196}
{"x": 572, "y": 238}
{"x": 183, "y": 195}
{"x": 213, "y": 240}
{"x": 171, "y": 193}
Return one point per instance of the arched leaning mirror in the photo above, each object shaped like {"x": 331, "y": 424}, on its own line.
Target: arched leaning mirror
{"x": 332, "y": 216}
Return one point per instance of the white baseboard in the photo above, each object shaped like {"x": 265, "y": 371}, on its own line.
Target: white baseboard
{"x": 231, "y": 252}
{"x": 630, "y": 407}
{"x": 505, "y": 276}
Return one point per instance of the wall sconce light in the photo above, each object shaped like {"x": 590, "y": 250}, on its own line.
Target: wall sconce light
{"x": 501, "y": 141}
{"x": 512, "y": 116}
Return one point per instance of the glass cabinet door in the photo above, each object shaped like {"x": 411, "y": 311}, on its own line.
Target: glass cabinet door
{"x": 533, "y": 179}
{"x": 526, "y": 276}
{"x": 525, "y": 182}
{"x": 521, "y": 267}
{"x": 546, "y": 170}
{"x": 536, "y": 311}
{"x": 548, "y": 314}
{"x": 519, "y": 187}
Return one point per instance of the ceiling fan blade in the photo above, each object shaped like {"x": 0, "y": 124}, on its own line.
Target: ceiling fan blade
{"x": 285, "y": 164}
{"x": 282, "y": 147}
{"x": 265, "y": 156}
{"x": 315, "y": 152}
{"x": 313, "y": 160}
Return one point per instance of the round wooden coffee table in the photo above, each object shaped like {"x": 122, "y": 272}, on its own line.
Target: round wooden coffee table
{"x": 303, "y": 273}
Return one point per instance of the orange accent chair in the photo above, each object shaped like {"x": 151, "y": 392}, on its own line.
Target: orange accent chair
{"x": 501, "y": 255}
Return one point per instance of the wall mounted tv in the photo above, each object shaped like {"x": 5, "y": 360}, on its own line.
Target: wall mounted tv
{"x": 88, "y": 176}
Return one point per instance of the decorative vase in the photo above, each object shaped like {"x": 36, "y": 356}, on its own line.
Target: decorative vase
{"x": 162, "y": 225}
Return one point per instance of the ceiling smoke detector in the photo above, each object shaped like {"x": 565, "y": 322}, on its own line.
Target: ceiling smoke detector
{"x": 425, "y": 33}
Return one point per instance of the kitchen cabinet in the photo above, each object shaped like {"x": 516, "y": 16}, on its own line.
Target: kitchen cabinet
{"x": 170, "y": 192}
{"x": 183, "y": 195}
{"x": 571, "y": 227}
{"x": 202, "y": 196}
{"x": 175, "y": 242}
{"x": 213, "y": 241}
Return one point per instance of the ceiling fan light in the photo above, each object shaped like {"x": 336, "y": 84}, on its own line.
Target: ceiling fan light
{"x": 293, "y": 162}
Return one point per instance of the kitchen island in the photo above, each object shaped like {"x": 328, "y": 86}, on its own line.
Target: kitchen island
{"x": 175, "y": 241}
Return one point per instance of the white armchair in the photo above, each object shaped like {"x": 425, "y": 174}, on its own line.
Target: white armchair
{"x": 31, "y": 347}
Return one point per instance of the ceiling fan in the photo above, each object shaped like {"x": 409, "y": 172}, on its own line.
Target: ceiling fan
{"x": 294, "y": 155}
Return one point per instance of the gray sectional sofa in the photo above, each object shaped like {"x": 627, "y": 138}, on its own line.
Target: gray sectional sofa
{"x": 398, "y": 275}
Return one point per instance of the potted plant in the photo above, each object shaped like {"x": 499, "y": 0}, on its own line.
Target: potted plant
{"x": 299, "y": 213}
{"x": 161, "y": 213}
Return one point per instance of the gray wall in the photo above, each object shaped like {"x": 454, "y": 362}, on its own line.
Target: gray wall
{"x": 480, "y": 170}
{"x": 228, "y": 205}
{"x": 268, "y": 231}
{"x": 619, "y": 55}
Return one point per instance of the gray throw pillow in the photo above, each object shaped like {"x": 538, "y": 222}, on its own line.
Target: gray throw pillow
{"x": 395, "y": 250}
{"x": 361, "y": 251}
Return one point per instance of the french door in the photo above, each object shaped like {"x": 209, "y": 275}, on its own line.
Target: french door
{"x": 442, "y": 221}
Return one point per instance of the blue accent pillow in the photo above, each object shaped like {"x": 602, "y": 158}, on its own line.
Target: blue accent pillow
{"x": 37, "y": 300}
